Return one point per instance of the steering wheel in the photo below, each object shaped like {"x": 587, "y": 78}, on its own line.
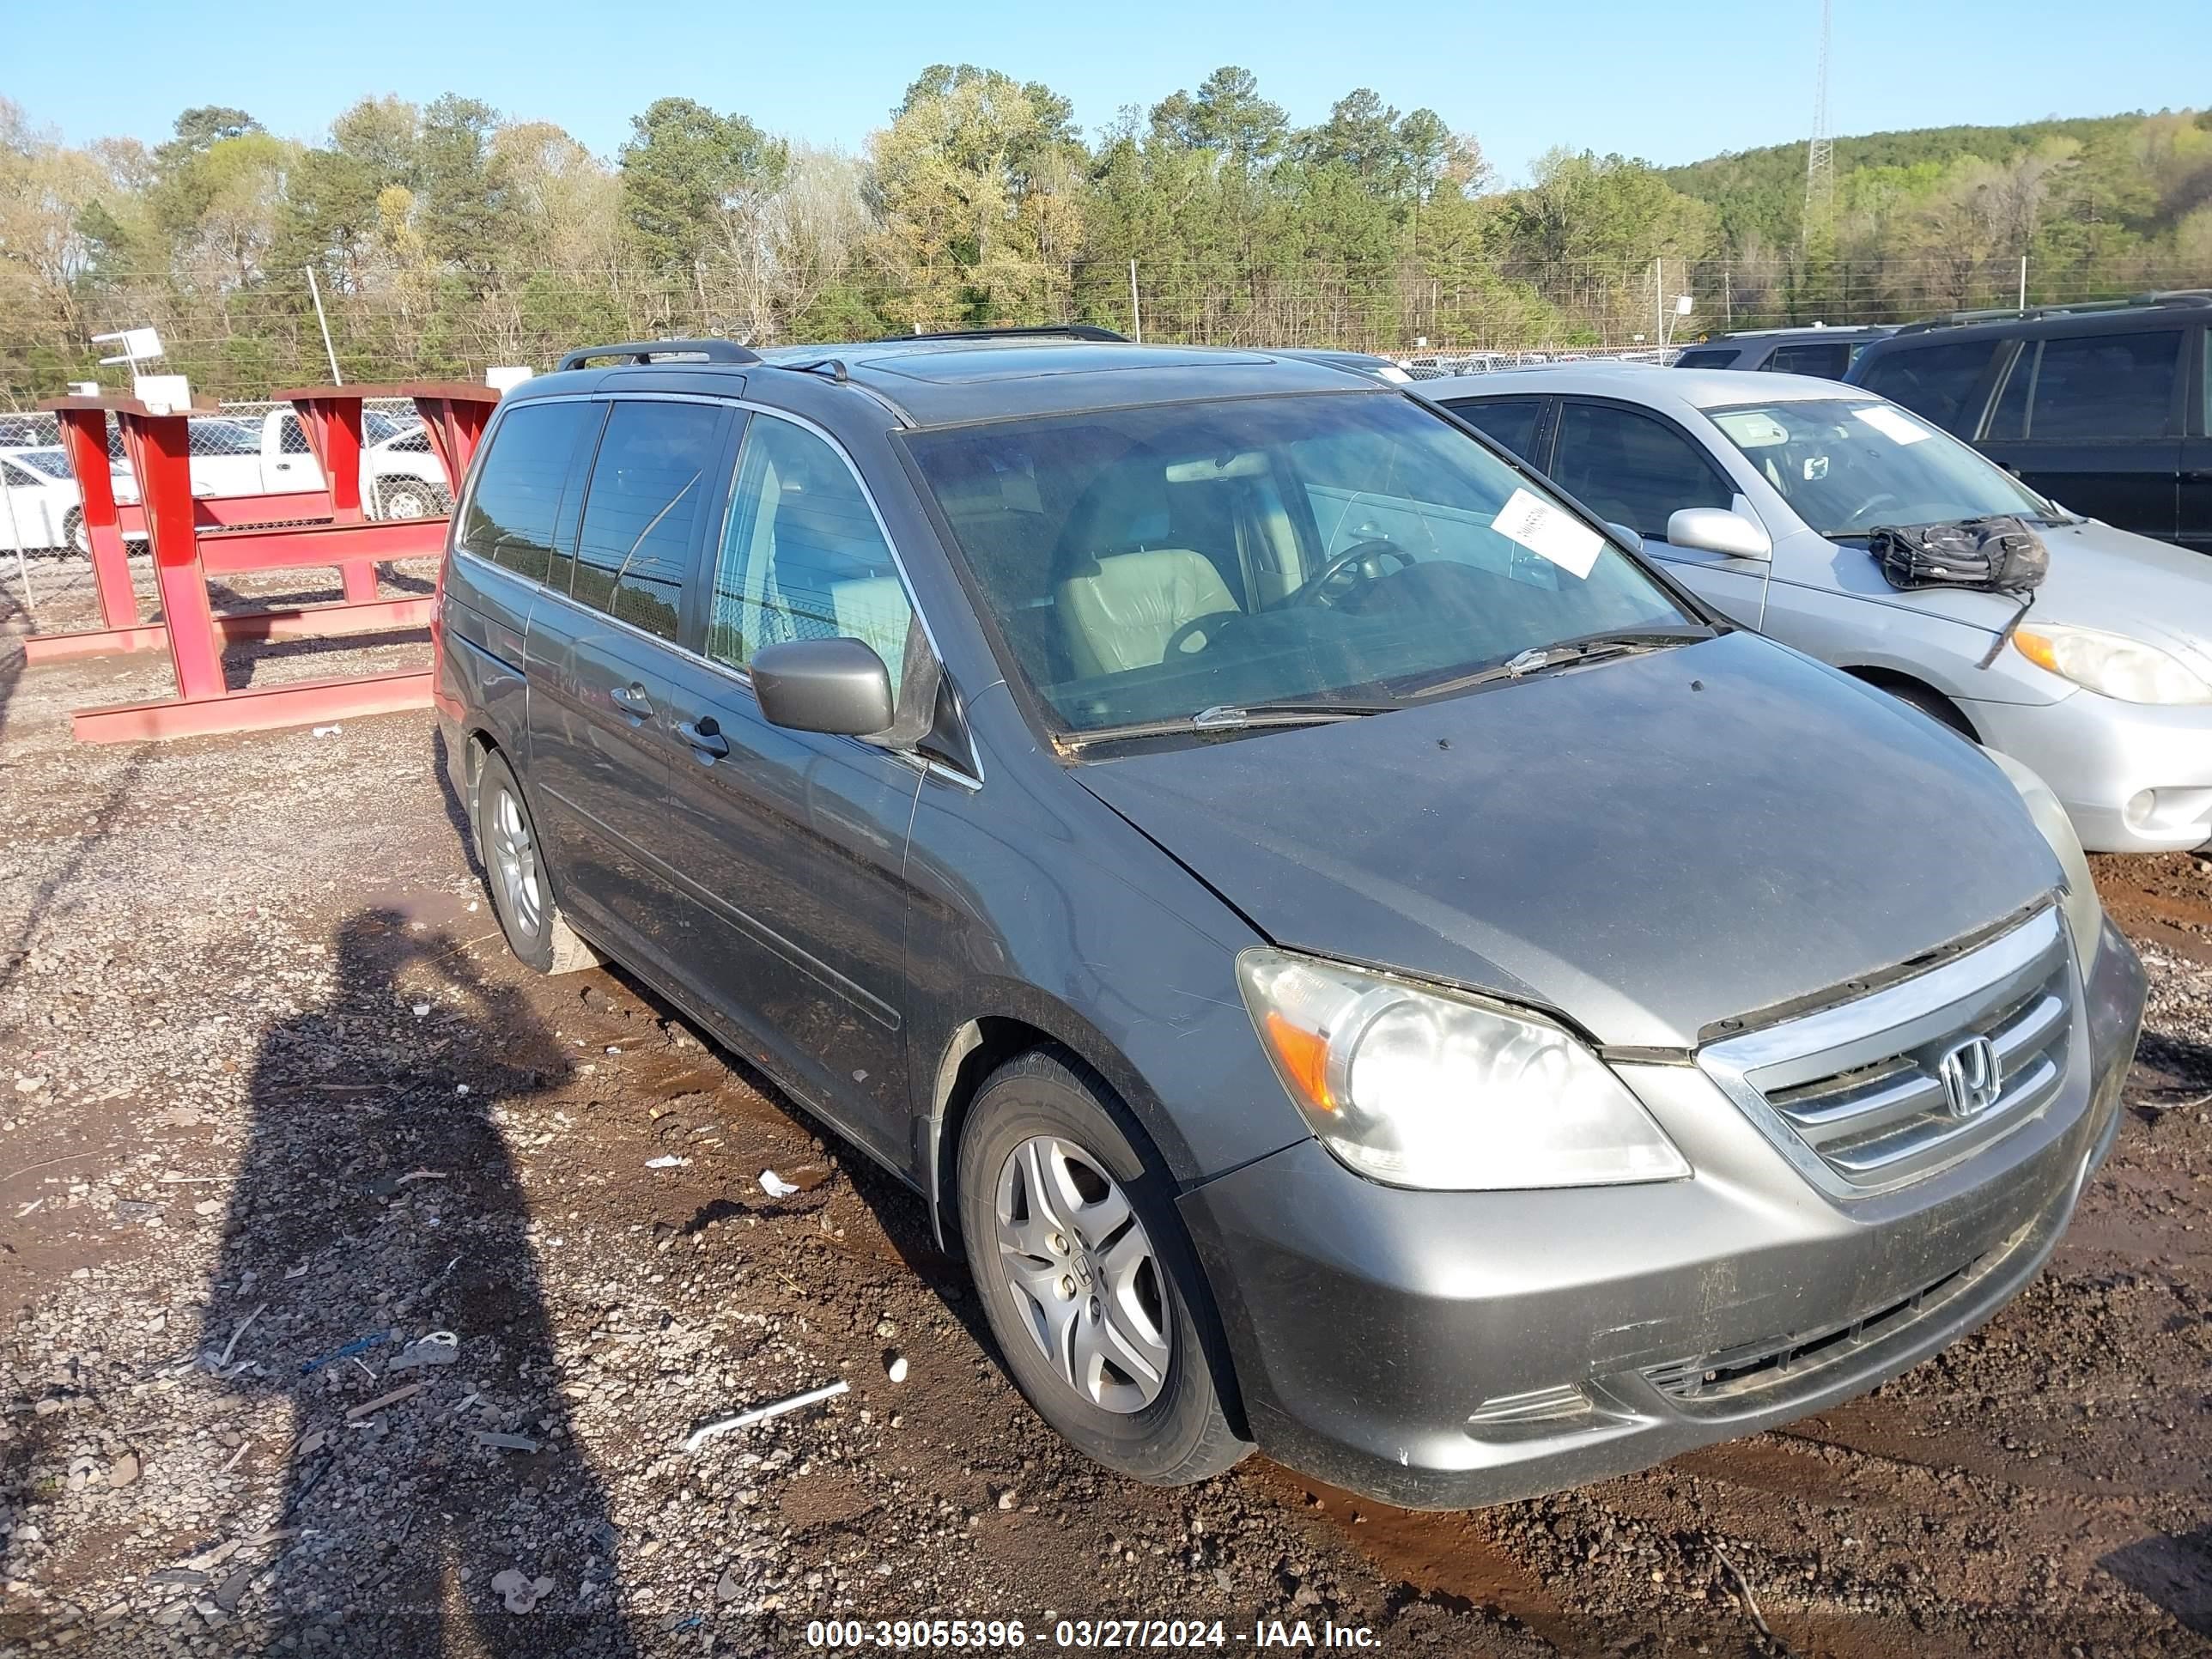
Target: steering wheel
{"x": 1873, "y": 503}
{"x": 1206, "y": 629}
{"x": 1362, "y": 557}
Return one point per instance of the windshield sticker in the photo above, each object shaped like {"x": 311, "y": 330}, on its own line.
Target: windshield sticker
{"x": 1751, "y": 428}
{"x": 1548, "y": 533}
{"x": 1892, "y": 423}
{"x": 1816, "y": 468}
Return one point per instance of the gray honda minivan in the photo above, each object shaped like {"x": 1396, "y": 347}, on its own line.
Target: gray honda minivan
{"x": 1359, "y": 961}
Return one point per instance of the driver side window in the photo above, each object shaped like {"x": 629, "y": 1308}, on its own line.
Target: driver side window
{"x": 802, "y": 557}
{"x": 1627, "y": 467}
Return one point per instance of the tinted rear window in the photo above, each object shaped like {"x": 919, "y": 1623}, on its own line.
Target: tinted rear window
{"x": 2105, "y": 385}
{"x": 518, "y": 489}
{"x": 651, "y": 485}
{"x": 1827, "y": 359}
{"x": 1938, "y": 381}
{"x": 1709, "y": 357}
{"x": 1510, "y": 420}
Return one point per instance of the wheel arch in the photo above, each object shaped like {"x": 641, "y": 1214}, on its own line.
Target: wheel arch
{"x": 984, "y": 1042}
{"x": 1939, "y": 703}
{"x": 976, "y": 1050}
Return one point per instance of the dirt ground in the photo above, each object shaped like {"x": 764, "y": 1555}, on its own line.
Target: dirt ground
{"x": 275, "y": 1103}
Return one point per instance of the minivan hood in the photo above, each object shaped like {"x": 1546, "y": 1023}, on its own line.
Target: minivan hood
{"x": 1648, "y": 846}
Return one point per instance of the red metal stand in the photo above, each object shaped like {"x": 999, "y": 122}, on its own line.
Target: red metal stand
{"x": 157, "y": 445}
{"x": 84, "y": 437}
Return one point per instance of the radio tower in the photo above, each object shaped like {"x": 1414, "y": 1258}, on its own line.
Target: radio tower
{"x": 1820, "y": 149}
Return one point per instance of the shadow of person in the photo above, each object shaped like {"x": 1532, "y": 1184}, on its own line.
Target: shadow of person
{"x": 375, "y": 1204}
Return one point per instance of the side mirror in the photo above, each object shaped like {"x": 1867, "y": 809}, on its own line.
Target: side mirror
{"x": 1629, "y": 535}
{"x": 1717, "y": 530}
{"x": 838, "y": 686}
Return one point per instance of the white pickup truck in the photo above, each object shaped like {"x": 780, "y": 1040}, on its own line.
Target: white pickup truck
{"x": 237, "y": 455}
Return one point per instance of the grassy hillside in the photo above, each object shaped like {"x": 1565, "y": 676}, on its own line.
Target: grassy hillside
{"x": 1760, "y": 191}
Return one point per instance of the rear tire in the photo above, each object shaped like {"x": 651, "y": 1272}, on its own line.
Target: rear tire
{"x": 75, "y": 533}
{"x": 514, "y": 870}
{"x": 1091, "y": 1290}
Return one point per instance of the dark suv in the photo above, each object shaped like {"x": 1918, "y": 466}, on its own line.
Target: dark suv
{"x": 1826, "y": 353}
{"x": 1358, "y": 960}
{"x": 2104, "y": 408}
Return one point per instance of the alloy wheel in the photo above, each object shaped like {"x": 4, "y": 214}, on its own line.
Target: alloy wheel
{"x": 514, "y": 862}
{"x": 1083, "y": 1274}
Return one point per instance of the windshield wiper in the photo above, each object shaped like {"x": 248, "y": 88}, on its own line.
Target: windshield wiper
{"x": 1590, "y": 648}
{"x": 1231, "y": 717}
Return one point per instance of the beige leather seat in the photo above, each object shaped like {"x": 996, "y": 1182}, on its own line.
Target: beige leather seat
{"x": 1121, "y": 612}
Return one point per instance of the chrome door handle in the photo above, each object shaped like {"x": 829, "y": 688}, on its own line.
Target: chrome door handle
{"x": 632, "y": 700}
{"x": 705, "y": 738}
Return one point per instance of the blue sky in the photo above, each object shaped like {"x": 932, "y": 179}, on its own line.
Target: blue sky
{"x": 1639, "y": 78}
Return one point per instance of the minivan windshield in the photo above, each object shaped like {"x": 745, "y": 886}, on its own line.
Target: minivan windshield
{"x": 1848, "y": 466}
{"x": 1329, "y": 553}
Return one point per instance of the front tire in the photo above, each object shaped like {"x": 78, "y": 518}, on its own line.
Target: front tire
{"x": 514, "y": 870}
{"x": 75, "y": 532}
{"x": 1092, "y": 1290}
{"x": 409, "y": 498}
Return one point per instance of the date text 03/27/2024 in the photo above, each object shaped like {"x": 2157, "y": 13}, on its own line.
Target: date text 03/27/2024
{"x": 1105, "y": 1635}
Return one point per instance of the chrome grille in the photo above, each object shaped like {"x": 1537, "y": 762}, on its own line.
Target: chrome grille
{"x": 1860, "y": 1085}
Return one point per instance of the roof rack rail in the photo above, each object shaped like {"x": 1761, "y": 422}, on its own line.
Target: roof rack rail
{"x": 1045, "y": 332}
{"x": 647, "y": 351}
{"x": 2175, "y": 296}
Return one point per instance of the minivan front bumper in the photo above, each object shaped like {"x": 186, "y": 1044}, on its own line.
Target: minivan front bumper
{"x": 1448, "y": 1350}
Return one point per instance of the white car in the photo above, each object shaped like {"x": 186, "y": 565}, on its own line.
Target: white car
{"x": 237, "y": 455}
{"x": 39, "y": 502}
{"x": 400, "y": 476}
{"x": 1759, "y": 492}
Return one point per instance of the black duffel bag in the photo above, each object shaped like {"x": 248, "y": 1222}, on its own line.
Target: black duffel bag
{"x": 1996, "y": 555}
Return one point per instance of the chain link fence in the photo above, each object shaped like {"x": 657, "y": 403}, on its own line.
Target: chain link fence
{"x": 246, "y": 448}
{"x": 240, "y": 335}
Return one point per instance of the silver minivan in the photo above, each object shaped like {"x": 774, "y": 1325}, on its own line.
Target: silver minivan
{"x": 1759, "y": 492}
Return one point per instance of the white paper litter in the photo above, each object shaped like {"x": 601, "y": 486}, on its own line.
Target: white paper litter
{"x": 706, "y": 1432}
{"x": 1548, "y": 533}
{"x": 775, "y": 1185}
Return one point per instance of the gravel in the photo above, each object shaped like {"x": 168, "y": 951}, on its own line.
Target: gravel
{"x": 279, "y": 1106}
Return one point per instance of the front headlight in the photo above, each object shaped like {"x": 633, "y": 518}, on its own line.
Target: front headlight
{"x": 1422, "y": 1086}
{"x": 2111, "y": 664}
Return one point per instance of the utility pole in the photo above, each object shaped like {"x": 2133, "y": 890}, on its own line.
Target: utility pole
{"x": 323, "y": 323}
{"x": 1819, "y": 150}
{"x": 1136, "y": 315}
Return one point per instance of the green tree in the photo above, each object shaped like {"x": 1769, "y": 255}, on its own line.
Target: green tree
{"x": 692, "y": 181}
{"x": 464, "y": 198}
{"x": 1225, "y": 115}
{"x": 978, "y": 192}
